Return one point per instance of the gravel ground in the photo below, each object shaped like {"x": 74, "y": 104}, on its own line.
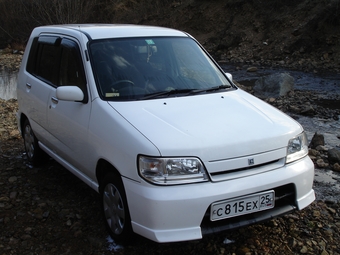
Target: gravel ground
{"x": 47, "y": 210}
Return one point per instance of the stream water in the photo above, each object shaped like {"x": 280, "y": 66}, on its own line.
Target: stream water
{"x": 327, "y": 84}
{"x": 8, "y": 83}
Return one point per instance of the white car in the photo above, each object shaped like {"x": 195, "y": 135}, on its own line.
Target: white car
{"x": 148, "y": 119}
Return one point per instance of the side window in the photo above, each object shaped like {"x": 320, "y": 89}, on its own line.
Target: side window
{"x": 71, "y": 70}
{"x": 58, "y": 62}
{"x": 46, "y": 65}
{"x": 44, "y": 58}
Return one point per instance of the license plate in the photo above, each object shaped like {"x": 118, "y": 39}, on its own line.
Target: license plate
{"x": 242, "y": 205}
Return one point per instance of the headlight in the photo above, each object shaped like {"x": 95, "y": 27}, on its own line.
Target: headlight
{"x": 169, "y": 171}
{"x": 297, "y": 148}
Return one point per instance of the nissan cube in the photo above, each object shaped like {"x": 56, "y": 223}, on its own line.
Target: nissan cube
{"x": 146, "y": 117}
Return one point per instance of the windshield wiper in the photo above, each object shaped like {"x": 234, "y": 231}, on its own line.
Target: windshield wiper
{"x": 167, "y": 93}
{"x": 183, "y": 91}
{"x": 220, "y": 87}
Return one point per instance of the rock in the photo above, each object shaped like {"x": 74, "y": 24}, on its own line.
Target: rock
{"x": 321, "y": 148}
{"x": 252, "y": 69}
{"x": 12, "y": 179}
{"x": 308, "y": 110}
{"x": 321, "y": 164}
{"x": 316, "y": 213}
{"x": 46, "y": 214}
{"x": 334, "y": 155}
{"x": 292, "y": 242}
{"x": 331, "y": 210}
{"x": 271, "y": 100}
{"x": 304, "y": 250}
{"x": 336, "y": 167}
{"x": 25, "y": 237}
{"x": 243, "y": 250}
{"x": 13, "y": 195}
{"x": 328, "y": 232}
{"x": 324, "y": 252}
{"x": 294, "y": 108}
{"x": 4, "y": 199}
{"x": 13, "y": 241}
{"x": 274, "y": 85}
{"x": 318, "y": 139}
{"x": 313, "y": 152}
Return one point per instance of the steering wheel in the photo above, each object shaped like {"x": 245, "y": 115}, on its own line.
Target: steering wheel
{"x": 123, "y": 89}
{"x": 131, "y": 83}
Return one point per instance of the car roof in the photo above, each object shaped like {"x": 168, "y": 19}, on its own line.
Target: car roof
{"x": 102, "y": 31}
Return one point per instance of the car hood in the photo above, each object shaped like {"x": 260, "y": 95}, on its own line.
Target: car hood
{"x": 214, "y": 126}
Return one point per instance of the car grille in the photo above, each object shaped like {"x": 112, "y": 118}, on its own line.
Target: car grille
{"x": 247, "y": 171}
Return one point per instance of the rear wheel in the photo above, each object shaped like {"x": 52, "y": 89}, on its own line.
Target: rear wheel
{"x": 114, "y": 207}
{"x": 34, "y": 154}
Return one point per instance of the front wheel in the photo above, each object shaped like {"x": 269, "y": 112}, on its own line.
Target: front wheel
{"x": 34, "y": 154}
{"x": 114, "y": 208}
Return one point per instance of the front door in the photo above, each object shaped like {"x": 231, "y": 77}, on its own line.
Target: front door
{"x": 67, "y": 120}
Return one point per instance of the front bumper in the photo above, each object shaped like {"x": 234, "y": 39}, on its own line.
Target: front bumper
{"x": 180, "y": 213}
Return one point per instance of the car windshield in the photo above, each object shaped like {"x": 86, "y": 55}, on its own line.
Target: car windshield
{"x": 148, "y": 68}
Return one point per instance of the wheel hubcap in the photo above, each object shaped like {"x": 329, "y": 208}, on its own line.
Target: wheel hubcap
{"x": 113, "y": 209}
{"x": 29, "y": 141}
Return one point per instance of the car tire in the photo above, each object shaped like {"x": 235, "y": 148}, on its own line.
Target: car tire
{"x": 35, "y": 154}
{"x": 114, "y": 208}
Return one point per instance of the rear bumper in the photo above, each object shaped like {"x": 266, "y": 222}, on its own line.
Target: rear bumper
{"x": 181, "y": 213}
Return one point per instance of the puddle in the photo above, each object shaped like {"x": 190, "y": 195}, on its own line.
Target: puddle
{"x": 8, "y": 85}
{"x": 327, "y": 185}
{"x": 327, "y": 176}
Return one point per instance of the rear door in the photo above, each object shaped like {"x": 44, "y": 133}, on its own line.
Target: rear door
{"x": 41, "y": 77}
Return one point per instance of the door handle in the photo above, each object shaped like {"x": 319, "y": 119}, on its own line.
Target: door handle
{"x": 55, "y": 100}
{"x": 28, "y": 85}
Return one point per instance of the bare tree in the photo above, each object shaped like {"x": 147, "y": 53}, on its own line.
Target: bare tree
{"x": 19, "y": 17}
{"x": 63, "y": 11}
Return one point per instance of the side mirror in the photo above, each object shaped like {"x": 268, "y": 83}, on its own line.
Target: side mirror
{"x": 230, "y": 76}
{"x": 69, "y": 93}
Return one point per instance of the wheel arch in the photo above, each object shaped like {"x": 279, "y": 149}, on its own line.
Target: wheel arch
{"x": 114, "y": 181}
{"x": 22, "y": 119}
{"x": 103, "y": 168}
